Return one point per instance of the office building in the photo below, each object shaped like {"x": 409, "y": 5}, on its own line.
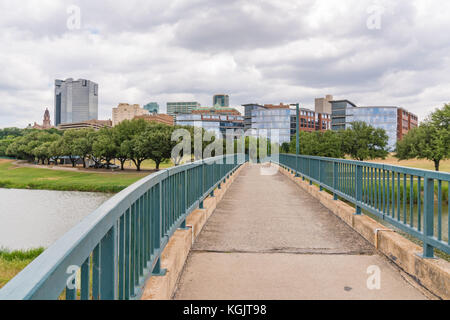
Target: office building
{"x": 405, "y": 122}
{"x": 89, "y": 124}
{"x": 158, "y": 118}
{"x": 221, "y": 100}
{"x": 152, "y": 107}
{"x": 216, "y": 110}
{"x": 323, "y": 105}
{"x": 283, "y": 118}
{"x": 248, "y": 114}
{"x": 75, "y": 101}
{"x": 125, "y": 111}
{"x": 310, "y": 121}
{"x": 272, "y": 120}
{"x": 216, "y": 119}
{"x": 174, "y": 108}
{"x": 394, "y": 120}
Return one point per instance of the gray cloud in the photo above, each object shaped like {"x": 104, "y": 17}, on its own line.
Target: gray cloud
{"x": 257, "y": 51}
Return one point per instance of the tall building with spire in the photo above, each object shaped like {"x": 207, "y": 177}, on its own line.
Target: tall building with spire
{"x": 46, "y": 123}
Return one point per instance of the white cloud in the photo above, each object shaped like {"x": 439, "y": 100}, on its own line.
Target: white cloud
{"x": 257, "y": 51}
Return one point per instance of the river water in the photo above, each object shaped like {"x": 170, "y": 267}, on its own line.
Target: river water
{"x": 37, "y": 218}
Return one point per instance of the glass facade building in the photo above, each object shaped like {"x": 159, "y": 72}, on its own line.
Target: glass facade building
{"x": 248, "y": 113}
{"x": 216, "y": 123}
{"x": 338, "y": 114}
{"x": 174, "y": 108}
{"x": 274, "y": 121}
{"x": 152, "y": 107}
{"x": 75, "y": 101}
{"x": 221, "y": 100}
{"x": 377, "y": 117}
{"x": 345, "y": 112}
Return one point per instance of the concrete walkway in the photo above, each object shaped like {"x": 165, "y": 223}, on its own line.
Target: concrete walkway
{"x": 268, "y": 239}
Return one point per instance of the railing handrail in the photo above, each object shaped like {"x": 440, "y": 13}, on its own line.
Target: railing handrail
{"x": 401, "y": 169}
{"x": 393, "y": 193}
{"x": 44, "y": 276}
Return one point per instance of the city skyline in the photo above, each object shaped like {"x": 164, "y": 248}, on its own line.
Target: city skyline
{"x": 285, "y": 52}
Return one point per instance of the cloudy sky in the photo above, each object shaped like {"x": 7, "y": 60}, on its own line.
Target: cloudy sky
{"x": 370, "y": 52}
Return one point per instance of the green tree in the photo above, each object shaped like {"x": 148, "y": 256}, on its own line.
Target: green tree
{"x": 104, "y": 148}
{"x": 431, "y": 140}
{"x": 11, "y": 132}
{"x": 82, "y": 143}
{"x": 155, "y": 143}
{"x": 328, "y": 144}
{"x": 5, "y": 143}
{"x": 67, "y": 145}
{"x": 42, "y": 152}
{"x": 55, "y": 150}
{"x": 285, "y": 147}
{"x": 23, "y": 147}
{"x": 124, "y": 133}
{"x": 307, "y": 144}
{"x": 363, "y": 142}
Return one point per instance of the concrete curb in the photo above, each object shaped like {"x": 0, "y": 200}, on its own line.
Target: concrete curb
{"x": 177, "y": 250}
{"x": 433, "y": 274}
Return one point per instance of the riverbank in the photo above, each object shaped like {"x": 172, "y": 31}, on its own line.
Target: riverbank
{"x": 12, "y": 262}
{"x": 13, "y": 176}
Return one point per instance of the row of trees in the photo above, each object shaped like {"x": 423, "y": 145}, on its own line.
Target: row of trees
{"x": 360, "y": 141}
{"x": 135, "y": 140}
{"x": 138, "y": 140}
{"x": 431, "y": 140}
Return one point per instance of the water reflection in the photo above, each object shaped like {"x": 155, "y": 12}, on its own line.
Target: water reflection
{"x": 37, "y": 218}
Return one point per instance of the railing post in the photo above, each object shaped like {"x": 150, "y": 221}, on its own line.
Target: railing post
{"x": 335, "y": 180}
{"x": 96, "y": 273}
{"x": 320, "y": 176}
{"x": 428, "y": 217}
{"x": 157, "y": 271}
{"x": 202, "y": 185}
{"x": 310, "y": 172}
{"x": 108, "y": 265}
{"x": 185, "y": 204}
{"x": 358, "y": 191}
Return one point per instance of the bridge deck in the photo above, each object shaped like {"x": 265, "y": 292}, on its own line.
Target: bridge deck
{"x": 268, "y": 239}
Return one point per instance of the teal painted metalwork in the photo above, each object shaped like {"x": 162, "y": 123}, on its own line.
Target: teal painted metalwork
{"x": 123, "y": 239}
{"x": 378, "y": 189}
{"x": 85, "y": 284}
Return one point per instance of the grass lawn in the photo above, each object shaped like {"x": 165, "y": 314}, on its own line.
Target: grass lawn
{"x": 415, "y": 163}
{"x": 11, "y": 263}
{"x": 13, "y": 176}
{"x": 147, "y": 165}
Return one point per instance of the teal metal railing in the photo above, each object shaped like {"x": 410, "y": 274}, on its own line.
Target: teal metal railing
{"x": 413, "y": 200}
{"x": 117, "y": 247}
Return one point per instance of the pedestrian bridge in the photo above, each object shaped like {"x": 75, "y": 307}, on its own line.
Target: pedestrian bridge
{"x": 292, "y": 228}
